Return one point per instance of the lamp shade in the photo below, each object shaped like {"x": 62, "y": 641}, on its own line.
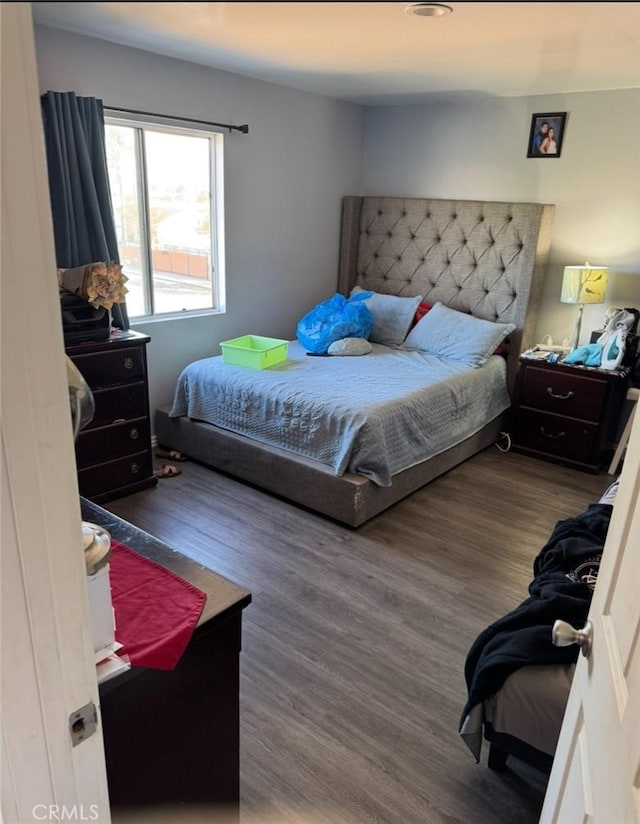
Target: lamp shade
{"x": 584, "y": 284}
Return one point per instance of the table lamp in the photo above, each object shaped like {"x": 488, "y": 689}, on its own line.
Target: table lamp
{"x": 96, "y": 541}
{"x": 583, "y": 284}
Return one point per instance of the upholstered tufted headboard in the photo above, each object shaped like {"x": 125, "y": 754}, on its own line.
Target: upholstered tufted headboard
{"x": 484, "y": 258}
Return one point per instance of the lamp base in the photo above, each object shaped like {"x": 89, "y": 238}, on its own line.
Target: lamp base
{"x": 97, "y": 547}
{"x": 576, "y": 331}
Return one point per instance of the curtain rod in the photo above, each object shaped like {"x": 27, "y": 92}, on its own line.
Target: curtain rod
{"x": 244, "y": 128}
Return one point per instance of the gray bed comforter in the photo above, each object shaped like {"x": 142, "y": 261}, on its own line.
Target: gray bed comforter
{"x": 373, "y": 415}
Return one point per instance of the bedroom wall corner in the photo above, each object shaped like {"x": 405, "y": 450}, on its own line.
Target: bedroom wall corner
{"x": 474, "y": 148}
{"x": 284, "y": 184}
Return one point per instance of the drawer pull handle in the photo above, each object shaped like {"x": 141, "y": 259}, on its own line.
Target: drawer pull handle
{"x": 128, "y": 363}
{"x": 553, "y": 394}
{"x": 133, "y": 434}
{"x": 135, "y": 468}
{"x": 553, "y": 435}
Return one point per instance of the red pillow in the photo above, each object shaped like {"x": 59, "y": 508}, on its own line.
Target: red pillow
{"x": 421, "y": 311}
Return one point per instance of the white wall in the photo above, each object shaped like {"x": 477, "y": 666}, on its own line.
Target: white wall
{"x": 284, "y": 181}
{"x": 475, "y": 148}
{"x": 283, "y": 185}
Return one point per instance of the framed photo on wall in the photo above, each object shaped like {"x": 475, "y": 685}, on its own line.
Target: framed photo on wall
{"x": 546, "y": 135}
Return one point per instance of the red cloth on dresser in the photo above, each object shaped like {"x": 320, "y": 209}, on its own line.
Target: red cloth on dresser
{"x": 156, "y": 611}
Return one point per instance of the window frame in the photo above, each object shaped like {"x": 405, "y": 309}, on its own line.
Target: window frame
{"x": 216, "y": 209}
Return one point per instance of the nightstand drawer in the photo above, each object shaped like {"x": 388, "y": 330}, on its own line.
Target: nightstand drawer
{"x": 119, "y": 404}
{"x": 113, "y": 474}
{"x": 577, "y": 396}
{"x": 107, "y": 442}
{"x": 555, "y": 435}
{"x": 119, "y": 366}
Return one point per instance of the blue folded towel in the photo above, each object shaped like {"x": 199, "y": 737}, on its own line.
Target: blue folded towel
{"x": 589, "y": 355}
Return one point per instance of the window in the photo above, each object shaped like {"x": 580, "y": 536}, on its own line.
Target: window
{"x": 166, "y": 191}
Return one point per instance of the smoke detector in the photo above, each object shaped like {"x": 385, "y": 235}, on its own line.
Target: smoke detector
{"x": 428, "y": 9}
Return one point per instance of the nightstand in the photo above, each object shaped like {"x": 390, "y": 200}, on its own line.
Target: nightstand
{"x": 567, "y": 414}
{"x": 113, "y": 452}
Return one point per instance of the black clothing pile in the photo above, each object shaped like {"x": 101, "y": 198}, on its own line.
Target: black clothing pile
{"x": 565, "y": 572}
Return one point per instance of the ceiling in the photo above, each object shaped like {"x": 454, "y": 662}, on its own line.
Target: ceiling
{"x": 376, "y": 53}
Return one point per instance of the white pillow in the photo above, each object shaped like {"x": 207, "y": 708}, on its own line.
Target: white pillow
{"x": 350, "y": 346}
{"x": 456, "y": 335}
{"x": 392, "y": 316}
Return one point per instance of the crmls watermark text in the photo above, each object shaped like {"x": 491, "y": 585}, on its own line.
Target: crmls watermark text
{"x": 60, "y": 812}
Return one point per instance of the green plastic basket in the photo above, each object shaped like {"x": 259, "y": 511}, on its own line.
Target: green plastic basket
{"x": 254, "y": 351}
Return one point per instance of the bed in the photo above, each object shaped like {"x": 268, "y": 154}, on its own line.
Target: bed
{"x": 518, "y": 681}
{"x": 486, "y": 259}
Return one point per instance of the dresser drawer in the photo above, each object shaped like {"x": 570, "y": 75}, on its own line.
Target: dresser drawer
{"x": 113, "y": 451}
{"x": 577, "y": 396}
{"x": 107, "y": 442}
{"x": 555, "y": 435}
{"x": 110, "y": 475}
{"x": 122, "y": 365}
{"x": 119, "y": 404}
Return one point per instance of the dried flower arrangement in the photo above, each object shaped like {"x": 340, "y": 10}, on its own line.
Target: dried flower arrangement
{"x": 101, "y": 283}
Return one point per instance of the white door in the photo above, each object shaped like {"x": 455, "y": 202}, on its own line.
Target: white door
{"x": 47, "y": 650}
{"x": 596, "y": 771}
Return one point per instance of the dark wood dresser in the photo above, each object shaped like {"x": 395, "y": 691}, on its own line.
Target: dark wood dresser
{"x": 173, "y": 737}
{"x": 567, "y": 414}
{"x": 113, "y": 452}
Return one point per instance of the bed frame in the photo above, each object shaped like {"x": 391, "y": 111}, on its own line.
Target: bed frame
{"x": 484, "y": 258}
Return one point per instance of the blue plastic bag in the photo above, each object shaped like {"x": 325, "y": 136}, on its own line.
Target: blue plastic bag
{"x": 333, "y": 320}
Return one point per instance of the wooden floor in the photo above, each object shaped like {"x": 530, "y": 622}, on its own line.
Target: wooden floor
{"x": 354, "y": 646}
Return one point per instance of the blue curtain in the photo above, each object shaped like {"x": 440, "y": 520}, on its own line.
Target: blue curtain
{"x": 83, "y": 224}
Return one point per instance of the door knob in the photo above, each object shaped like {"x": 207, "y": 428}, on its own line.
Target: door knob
{"x": 563, "y": 635}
